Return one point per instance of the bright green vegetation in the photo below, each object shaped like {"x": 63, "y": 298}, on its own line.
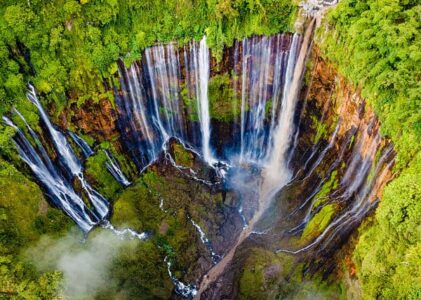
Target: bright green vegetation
{"x": 137, "y": 207}
{"x": 69, "y": 46}
{"x": 96, "y": 170}
{"x": 224, "y": 104}
{"x": 388, "y": 254}
{"x": 261, "y": 273}
{"x": 97, "y": 173}
{"x": 138, "y": 272}
{"x": 278, "y": 276}
{"x": 141, "y": 269}
{"x": 24, "y": 217}
{"x": 190, "y": 103}
{"x": 320, "y": 127}
{"x": 323, "y": 127}
{"x": 182, "y": 156}
{"x": 319, "y": 222}
{"x": 222, "y": 98}
{"x": 268, "y": 107}
{"x": 326, "y": 189}
{"x": 375, "y": 44}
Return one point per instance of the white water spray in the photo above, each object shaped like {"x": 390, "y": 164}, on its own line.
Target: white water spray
{"x": 203, "y": 102}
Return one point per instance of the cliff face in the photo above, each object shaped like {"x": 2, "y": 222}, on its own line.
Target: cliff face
{"x": 340, "y": 102}
{"x": 97, "y": 119}
{"x": 340, "y": 165}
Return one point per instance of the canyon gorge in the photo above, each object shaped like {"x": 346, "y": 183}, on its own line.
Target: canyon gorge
{"x": 251, "y": 169}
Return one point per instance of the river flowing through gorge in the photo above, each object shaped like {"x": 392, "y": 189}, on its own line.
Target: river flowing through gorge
{"x": 289, "y": 141}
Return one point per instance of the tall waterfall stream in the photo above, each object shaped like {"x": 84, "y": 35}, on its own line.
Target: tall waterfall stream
{"x": 268, "y": 75}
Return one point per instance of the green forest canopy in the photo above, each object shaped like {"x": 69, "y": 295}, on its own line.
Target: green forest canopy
{"x": 376, "y": 45}
{"x": 68, "y": 47}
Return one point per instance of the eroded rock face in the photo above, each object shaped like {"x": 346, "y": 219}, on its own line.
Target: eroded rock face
{"x": 191, "y": 218}
{"x": 340, "y": 163}
{"x": 97, "y": 119}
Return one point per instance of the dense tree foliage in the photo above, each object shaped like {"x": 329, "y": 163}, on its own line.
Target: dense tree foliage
{"x": 375, "y": 44}
{"x": 389, "y": 253}
{"x": 69, "y": 49}
{"x": 24, "y": 217}
{"x": 69, "y": 46}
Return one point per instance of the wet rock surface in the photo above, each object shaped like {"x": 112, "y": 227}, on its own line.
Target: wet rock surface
{"x": 329, "y": 107}
{"x": 340, "y": 165}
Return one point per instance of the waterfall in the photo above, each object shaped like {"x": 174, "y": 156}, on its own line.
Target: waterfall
{"x": 67, "y": 157}
{"x": 203, "y": 101}
{"x": 149, "y": 103}
{"x": 114, "y": 168}
{"x": 264, "y": 71}
{"x": 162, "y": 66}
{"x": 135, "y": 117}
{"x": 205, "y": 241}
{"x": 186, "y": 291}
{"x": 277, "y": 171}
{"x": 166, "y": 95}
{"x": 57, "y": 181}
{"x": 125, "y": 233}
{"x": 359, "y": 187}
{"x": 58, "y": 189}
{"x": 83, "y": 145}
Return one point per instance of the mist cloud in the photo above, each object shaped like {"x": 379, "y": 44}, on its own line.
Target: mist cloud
{"x": 84, "y": 264}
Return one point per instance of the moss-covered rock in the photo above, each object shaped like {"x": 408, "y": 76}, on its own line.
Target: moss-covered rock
{"x": 138, "y": 272}
{"x": 223, "y": 102}
{"x": 138, "y": 208}
{"x": 182, "y": 156}
{"x": 97, "y": 173}
{"x": 190, "y": 103}
{"x": 159, "y": 206}
{"x": 266, "y": 275}
{"x": 319, "y": 222}
{"x": 330, "y": 185}
{"x": 260, "y": 275}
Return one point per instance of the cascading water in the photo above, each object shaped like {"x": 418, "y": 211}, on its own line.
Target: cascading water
{"x": 83, "y": 145}
{"x": 356, "y": 185}
{"x": 114, "y": 168}
{"x": 203, "y": 101}
{"x": 56, "y": 179}
{"x": 276, "y": 172}
{"x": 205, "y": 241}
{"x": 277, "y": 169}
{"x": 165, "y": 96}
{"x": 69, "y": 159}
{"x": 150, "y": 107}
{"x": 263, "y": 58}
{"x": 152, "y": 110}
{"x": 56, "y": 185}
